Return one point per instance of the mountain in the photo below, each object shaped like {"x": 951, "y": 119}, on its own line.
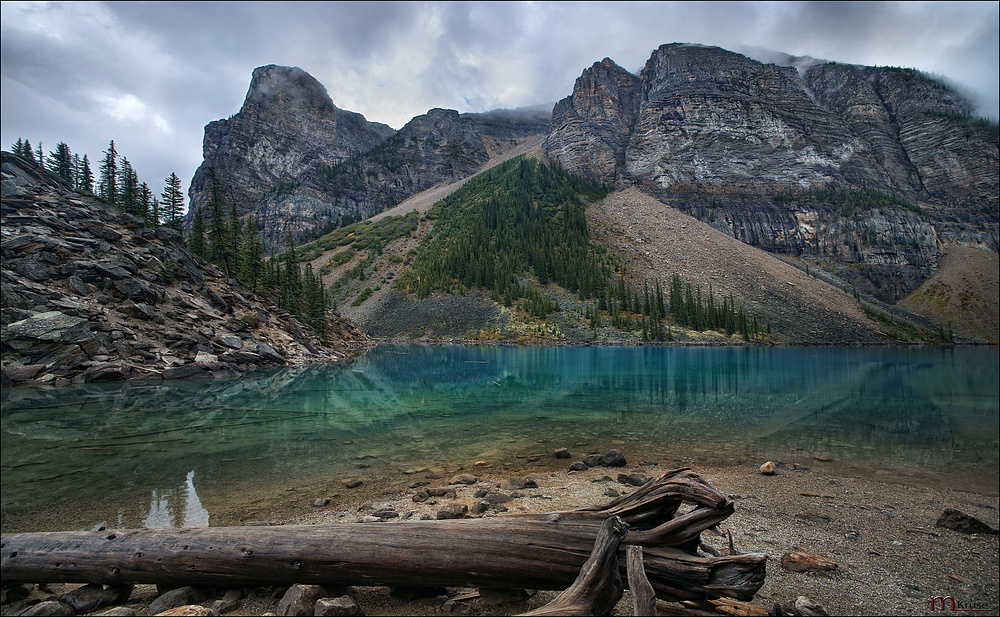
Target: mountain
{"x": 90, "y": 294}
{"x": 869, "y": 170}
{"x": 288, "y": 125}
{"x": 301, "y": 165}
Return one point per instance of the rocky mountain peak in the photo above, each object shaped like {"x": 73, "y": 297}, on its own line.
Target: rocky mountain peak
{"x": 288, "y": 87}
{"x": 288, "y": 124}
{"x": 735, "y": 141}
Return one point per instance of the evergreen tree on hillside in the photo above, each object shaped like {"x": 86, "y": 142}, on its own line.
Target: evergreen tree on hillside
{"x": 17, "y": 147}
{"x": 85, "y": 177}
{"x": 61, "y": 162}
{"x": 251, "y": 271}
{"x": 107, "y": 184}
{"x": 173, "y": 202}
{"x": 196, "y": 237}
{"x": 219, "y": 239}
{"x": 129, "y": 198}
{"x": 26, "y": 151}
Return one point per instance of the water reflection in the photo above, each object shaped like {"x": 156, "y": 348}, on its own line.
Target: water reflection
{"x": 176, "y": 507}
{"x": 107, "y": 448}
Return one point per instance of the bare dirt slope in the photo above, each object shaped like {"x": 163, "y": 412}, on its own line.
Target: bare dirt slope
{"x": 963, "y": 295}
{"x": 659, "y": 241}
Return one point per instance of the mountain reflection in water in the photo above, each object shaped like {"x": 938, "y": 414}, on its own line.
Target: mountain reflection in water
{"x": 77, "y": 455}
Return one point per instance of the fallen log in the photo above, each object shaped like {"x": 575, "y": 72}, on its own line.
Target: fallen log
{"x": 538, "y": 551}
{"x": 598, "y": 587}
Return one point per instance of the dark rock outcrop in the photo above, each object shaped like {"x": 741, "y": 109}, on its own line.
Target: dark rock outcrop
{"x": 90, "y": 293}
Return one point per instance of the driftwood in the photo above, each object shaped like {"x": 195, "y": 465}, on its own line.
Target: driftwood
{"x": 598, "y": 587}
{"x": 643, "y": 594}
{"x": 537, "y": 551}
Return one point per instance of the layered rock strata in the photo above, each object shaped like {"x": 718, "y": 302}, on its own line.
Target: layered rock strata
{"x": 745, "y": 146}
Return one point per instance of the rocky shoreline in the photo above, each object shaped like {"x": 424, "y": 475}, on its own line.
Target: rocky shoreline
{"x": 91, "y": 293}
{"x": 869, "y": 547}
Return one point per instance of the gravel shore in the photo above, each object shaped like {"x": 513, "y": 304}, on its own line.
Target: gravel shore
{"x": 890, "y": 556}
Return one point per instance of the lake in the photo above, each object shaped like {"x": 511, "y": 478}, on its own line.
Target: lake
{"x": 263, "y": 447}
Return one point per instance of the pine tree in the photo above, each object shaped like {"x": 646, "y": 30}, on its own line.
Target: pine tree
{"x": 85, "y": 178}
{"x": 27, "y": 152}
{"x": 196, "y": 237}
{"x": 61, "y": 162}
{"x": 107, "y": 185}
{"x": 149, "y": 206}
{"x": 219, "y": 240}
{"x": 173, "y": 202}
{"x": 291, "y": 288}
{"x": 251, "y": 271}
{"x": 18, "y": 147}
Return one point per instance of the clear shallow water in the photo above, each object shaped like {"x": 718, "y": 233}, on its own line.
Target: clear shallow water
{"x": 198, "y": 453}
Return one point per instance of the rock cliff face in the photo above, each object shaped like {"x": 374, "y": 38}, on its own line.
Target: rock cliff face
{"x": 287, "y": 126}
{"x": 90, "y": 293}
{"x": 441, "y": 145}
{"x": 303, "y": 166}
{"x": 776, "y": 156}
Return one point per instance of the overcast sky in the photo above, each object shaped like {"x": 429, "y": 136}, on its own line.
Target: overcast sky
{"x": 151, "y": 75}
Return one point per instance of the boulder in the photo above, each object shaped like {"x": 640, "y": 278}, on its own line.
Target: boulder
{"x": 93, "y": 596}
{"x": 344, "y": 606}
{"x": 182, "y": 596}
{"x": 51, "y": 326}
{"x": 300, "y": 600}
{"x": 768, "y": 468}
{"x": 613, "y": 458}
{"x": 452, "y": 511}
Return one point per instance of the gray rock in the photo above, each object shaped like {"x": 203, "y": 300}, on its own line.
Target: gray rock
{"x": 579, "y": 466}
{"x": 592, "y": 460}
{"x": 613, "y": 458}
{"x": 384, "y": 513}
{"x": 964, "y": 523}
{"x": 464, "y": 478}
{"x": 344, "y": 606}
{"x": 441, "y": 491}
{"x": 231, "y": 341}
{"x": 563, "y": 453}
{"x": 519, "y": 483}
{"x": 479, "y": 507}
{"x": 300, "y": 600}
{"x": 633, "y": 479}
{"x": 182, "y": 596}
{"x": 93, "y": 596}
{"x": 51, "y": 326}
{"x": 452, "y": 511}
{"x": 50, "y": 608}
{"x": 809, "y": 607}
{"x": 118, "y": 611}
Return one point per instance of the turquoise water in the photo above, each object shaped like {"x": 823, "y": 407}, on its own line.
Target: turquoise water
{"x": 199, "y": 453}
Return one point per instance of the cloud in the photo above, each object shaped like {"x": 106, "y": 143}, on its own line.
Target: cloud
{"x": 151, "y": 75}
